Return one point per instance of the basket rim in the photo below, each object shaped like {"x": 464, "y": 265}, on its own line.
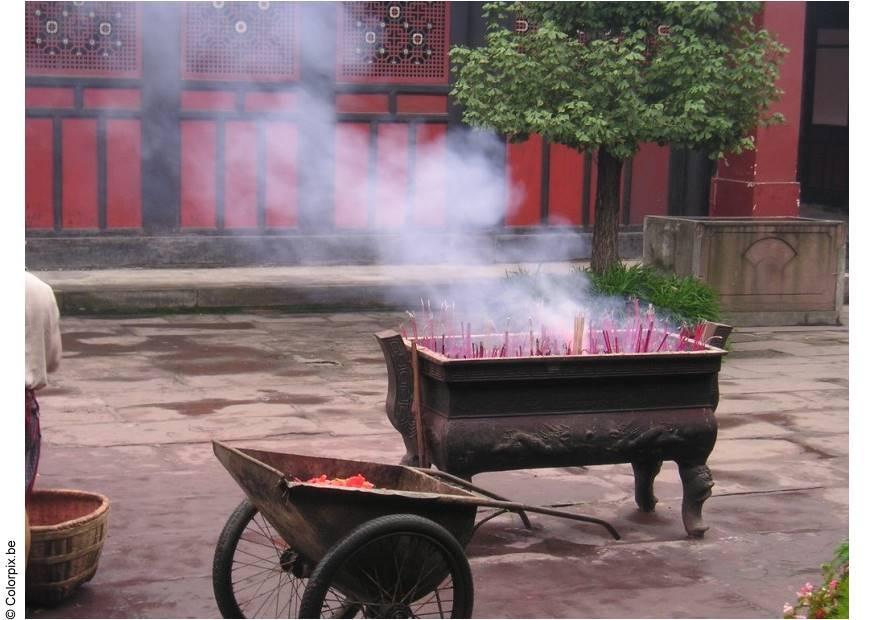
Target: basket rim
{"x": 78, "y": 521}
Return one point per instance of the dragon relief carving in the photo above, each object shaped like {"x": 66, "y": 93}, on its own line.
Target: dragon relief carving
{"x": 550, "y": 438}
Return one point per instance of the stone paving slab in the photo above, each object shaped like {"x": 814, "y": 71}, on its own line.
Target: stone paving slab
{"x": 137, "y": 399}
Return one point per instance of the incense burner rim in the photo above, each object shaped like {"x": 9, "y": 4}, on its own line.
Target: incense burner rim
{"x": 434, "y": 356}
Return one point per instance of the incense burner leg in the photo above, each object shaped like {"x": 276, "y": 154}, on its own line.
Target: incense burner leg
{"x": 697, "y": 482}
{"x": 645, "y": 473}
{"x": 399, "y": 397}
{"x": 409, "y": 457}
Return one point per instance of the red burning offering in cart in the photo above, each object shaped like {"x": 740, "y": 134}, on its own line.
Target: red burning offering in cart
{"x": 356, "y": 482}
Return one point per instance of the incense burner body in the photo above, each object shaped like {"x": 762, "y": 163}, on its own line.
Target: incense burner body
{"x": 501, "y": 414}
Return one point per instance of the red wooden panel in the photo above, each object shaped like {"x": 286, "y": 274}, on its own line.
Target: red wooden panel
{"x": 118, "y": 98}
{"x": 422, "y": 104}
{"x": 208, "y": 100}
{"x": 524, "y": 182}
{"x": 48, "y": 97}
{"x": 566, "y": 186}
{"x": 351, "y": 175}
{"x": 198, "y": 171}
{"x": 392, "y": 175}
{"x": 362, "y": 104}
{"x": 270, "y": 102}
{"x": 649, "y": 183}
{"x": 79, "y": 173}
{"x": 281, "y": 192}
{"x": 241, "y": 175}
{"x": 430, "y": 176}
{"x": 123, "y": 187}
{"x": 38, "y": 173}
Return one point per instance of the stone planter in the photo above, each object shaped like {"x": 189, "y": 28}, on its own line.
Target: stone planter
{"x": 766, "y": 271}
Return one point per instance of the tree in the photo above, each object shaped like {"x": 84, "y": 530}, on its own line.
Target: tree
{"x": 607, "y": 76}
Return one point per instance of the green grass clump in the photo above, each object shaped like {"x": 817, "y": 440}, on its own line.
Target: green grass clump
{"x": 685, "y": 299}
{"x": 622, "y": 280}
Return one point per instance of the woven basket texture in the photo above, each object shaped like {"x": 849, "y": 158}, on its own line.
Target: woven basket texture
{"x": 68, "y": 529}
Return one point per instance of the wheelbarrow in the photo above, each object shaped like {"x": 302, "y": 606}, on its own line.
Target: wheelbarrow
{"x": 296, "y": 549}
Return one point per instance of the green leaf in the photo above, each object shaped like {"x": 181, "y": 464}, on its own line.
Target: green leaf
{"x": 709, "y": 84}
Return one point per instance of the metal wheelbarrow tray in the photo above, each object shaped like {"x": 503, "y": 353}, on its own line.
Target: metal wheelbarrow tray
{"x": 377, "y": 552}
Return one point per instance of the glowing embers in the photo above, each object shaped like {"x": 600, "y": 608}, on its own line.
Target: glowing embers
{"x": 253, "y": 41}
{"x": 82, "y": 38}
{"x": 394, "y": 42}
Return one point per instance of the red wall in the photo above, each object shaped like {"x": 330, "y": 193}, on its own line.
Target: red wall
{"x": 566, "y": 205}
{"x": 210, "y": 118}
{"x": 763, "y": 182}
{"x": 649, "y": 183}
{"x": 565, "y": 198}
{"x": 38, "y": 173}
{"x": 84, "y": 144}
{"x": 198, "y": 174}
{"x": 84, "y": 128}
{"x": 524, "y": 166}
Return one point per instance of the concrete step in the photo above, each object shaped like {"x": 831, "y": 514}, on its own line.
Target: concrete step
{"x": 307, "y": 288}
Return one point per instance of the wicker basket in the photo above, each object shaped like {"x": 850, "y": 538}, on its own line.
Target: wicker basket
{"x": 67, "y": 533}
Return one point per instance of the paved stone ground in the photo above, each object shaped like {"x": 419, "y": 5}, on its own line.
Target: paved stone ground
{"x": 137, "y": 400}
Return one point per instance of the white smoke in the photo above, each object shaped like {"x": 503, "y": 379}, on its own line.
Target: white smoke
{"x": 440, "y": 204}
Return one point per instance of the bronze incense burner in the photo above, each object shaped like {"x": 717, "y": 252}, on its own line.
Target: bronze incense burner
{"x": 498, "y": 414}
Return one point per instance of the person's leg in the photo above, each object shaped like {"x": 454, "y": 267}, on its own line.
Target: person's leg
{"x": 26, "y": 537}
{"x": 32, "y": 439}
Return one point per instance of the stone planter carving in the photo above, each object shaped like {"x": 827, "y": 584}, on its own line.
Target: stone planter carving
{"x": 766, "y": 271}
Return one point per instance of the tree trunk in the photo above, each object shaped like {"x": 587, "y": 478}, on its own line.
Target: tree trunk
{"x": 606, "y": 231}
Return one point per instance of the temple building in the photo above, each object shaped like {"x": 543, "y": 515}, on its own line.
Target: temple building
{"x": 195, "y": 132}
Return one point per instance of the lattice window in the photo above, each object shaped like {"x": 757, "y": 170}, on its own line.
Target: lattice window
{"x": 523, "y": 25}
{"x": 394, "y": 42}
{"x": 253, "y": 41}
{"x": 82, "y": 38}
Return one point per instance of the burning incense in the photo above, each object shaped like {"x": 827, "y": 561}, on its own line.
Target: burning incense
{"x": 634, "y": 333}
{"x": 577, "y": 345}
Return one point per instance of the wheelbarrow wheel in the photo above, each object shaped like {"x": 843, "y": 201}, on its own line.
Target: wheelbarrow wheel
{"x": 255, "y": 572}
{"x": 398, "y": 566}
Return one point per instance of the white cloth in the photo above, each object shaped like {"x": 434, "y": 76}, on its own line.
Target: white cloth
{"x": 42, "y": 332}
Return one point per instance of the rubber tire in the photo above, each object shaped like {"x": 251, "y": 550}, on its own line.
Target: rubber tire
{"x": 223, "y": 559}
{"x": 321, "y": 577}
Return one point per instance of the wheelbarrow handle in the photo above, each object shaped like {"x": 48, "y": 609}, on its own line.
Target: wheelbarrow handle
{"x": 492, "y": 500}
{"x": 517, "y": 507}
{"x": 436, "y": 473}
